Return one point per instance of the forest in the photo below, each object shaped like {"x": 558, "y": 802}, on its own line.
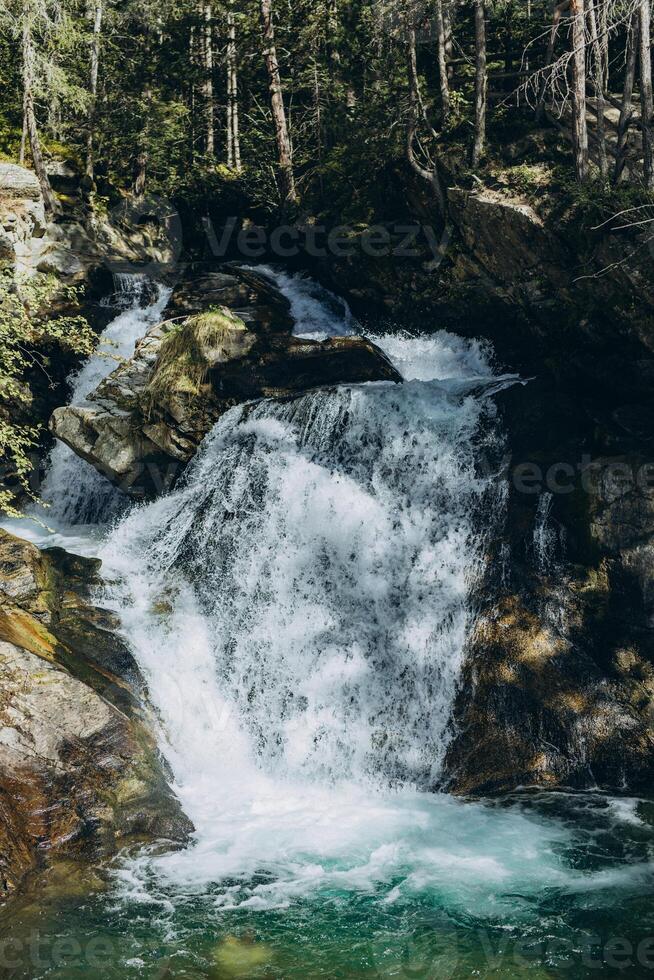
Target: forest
{"x": 292, "y": 98}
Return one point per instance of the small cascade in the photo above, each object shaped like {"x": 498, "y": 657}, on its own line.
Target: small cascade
{"x": 130, "y": 290}
{"x": 548, "y": 536}
{"x": 75, "y": 493}
{"x": 318, "y": 313}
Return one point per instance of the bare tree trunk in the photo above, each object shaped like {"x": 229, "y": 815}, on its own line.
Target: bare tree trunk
{"x": 599, "y": 83}
{"x": 449, "y": 39}
{"x": 23, "y": 139}
{"x": 481, "y": 82}
{"x": 317, "y": 103}
{"x": 143, "y": 155}
{"x": 416, "y": 114}
{"x": 233, "y": 136}
{"x": 626, "y": 109}
{"x": 192, "y": 54}
{"x": 96, "y": 12}
{"x": 442, "y": 61}
{"x": 579, "y": 119}
{"x": 646, "y": 91}
{"x": 140, "y": 173}
{"x": 29, "y": 114}
{"x": 206, "y": 54}
{"x": 284, "y": 148}
{"x": 559, "y": 10}
{"x": 603, "y": 27}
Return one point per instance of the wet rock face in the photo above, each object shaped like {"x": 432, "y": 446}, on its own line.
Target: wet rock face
{"x": 228, "y": 340}
{"x": 545, "y": 704}
{"x": 558, "y": 685}
{"x": 80, "y": 774}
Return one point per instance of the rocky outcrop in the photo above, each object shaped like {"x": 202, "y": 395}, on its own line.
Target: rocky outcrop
{"x": 22, "y": 217}
{"x": 80, "y": 774}
{"x": 509, "y": 252}
{"x": 136, "y": 235}
{"x": 550, "y": 701}
{"x": 558, "y": 685}
{"x": 145, "y": 422}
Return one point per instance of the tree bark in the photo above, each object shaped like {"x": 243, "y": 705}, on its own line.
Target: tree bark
{"x": 449, "y": 39}
{"x": 442, "y": 61}
{"x": 559, "y": 10}
{"x": 23, "y": 139}
{"x": 645, "y": 15}
{"x": 626, "y": 109}
{"x": 193, "y": 60}
{"x": 206, "y": 54}
{"x": 594, "y": 25}
{"x": 579, "y": 117}
{"x": 96, "y": 12}
{"x": 143, "y": 155}
{"x": 233, "y": 135}
{"x": 603, "y": 26}
{"x": 416, "y": 114}
{"x": 29, "y": 114}
{"x": 284, "y": 148}
{"x": 481, "y": 82}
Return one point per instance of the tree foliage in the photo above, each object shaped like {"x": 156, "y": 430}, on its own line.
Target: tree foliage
{"x": 28, "y": 334}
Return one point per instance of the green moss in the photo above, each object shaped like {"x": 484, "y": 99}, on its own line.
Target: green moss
{"x": 183, "y": 364}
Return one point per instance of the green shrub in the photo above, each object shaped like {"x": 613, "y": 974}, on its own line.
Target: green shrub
{"x": 27, "y": 335}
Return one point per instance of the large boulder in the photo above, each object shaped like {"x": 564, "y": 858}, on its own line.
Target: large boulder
{"x": 546, "y": 701}
{"x": 19, "y": 182}
{"x": 80, "y": 773}
{"x": 558, "y": 681}
{"x": 22, "y": 217}
{"x": 144, "y": 423}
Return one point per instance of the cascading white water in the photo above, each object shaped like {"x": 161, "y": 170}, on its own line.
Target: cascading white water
{"x": 331, "y": 543}
{"x": 76, "y": 494}
{"x": 300, "y": 604}
{"x": 317, "y": 312}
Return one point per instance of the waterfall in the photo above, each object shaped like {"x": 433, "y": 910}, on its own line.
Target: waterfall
{"x": 300, "y": 603}
{"x": 74, "y": 492}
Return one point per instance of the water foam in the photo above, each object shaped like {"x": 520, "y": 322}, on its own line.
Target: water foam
{"x": 300, "y": 607}
{"x": 76, "y": 494}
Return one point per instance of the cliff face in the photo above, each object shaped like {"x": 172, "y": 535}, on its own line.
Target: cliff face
{"x": 560, "y": 679}
{"x": 80, "y": 773}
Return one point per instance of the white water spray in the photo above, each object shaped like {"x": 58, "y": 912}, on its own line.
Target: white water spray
{"x": 75, "y": 492}
{"x": 300, "y": 606}
{"x": 317, "y": 312}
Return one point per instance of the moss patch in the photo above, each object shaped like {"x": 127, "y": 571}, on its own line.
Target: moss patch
{"x": 190, "y": 349}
